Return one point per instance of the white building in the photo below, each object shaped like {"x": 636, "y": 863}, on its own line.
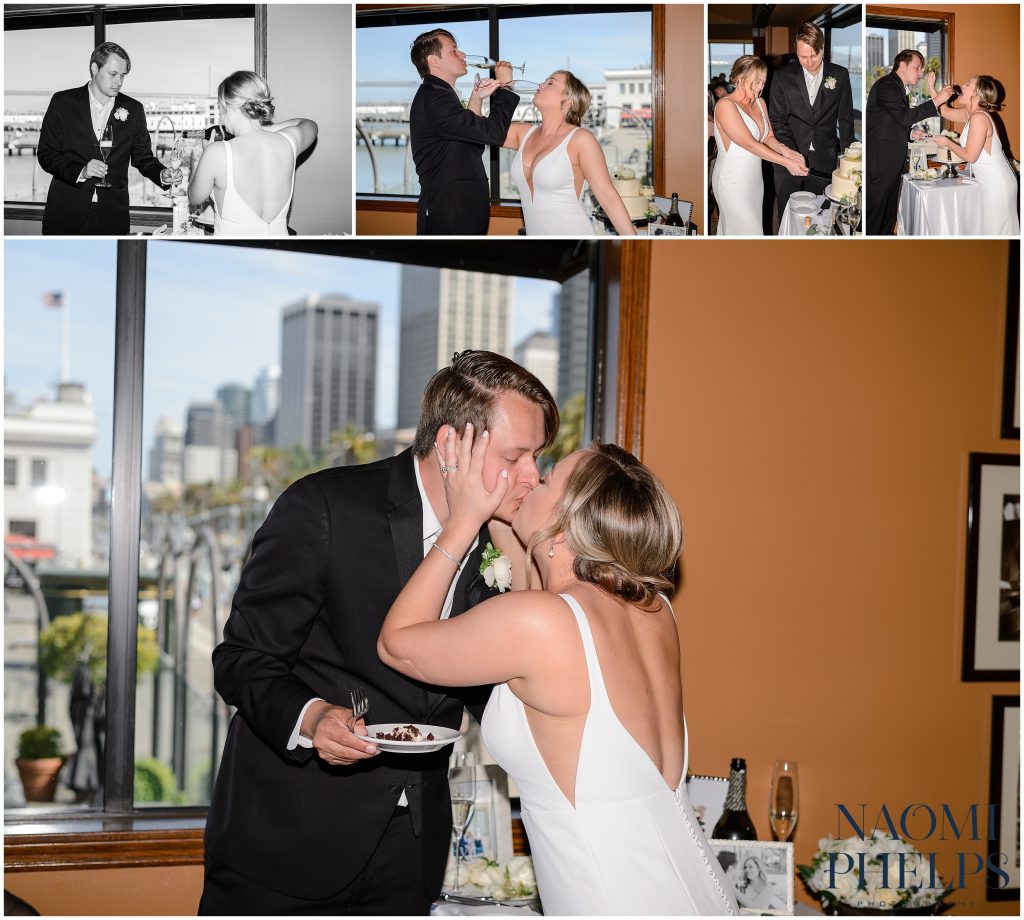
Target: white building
{"x": 538, "y": 353}
{"x": 48, "y": 472}
{"x": 165, "y": 456}
{"x": 264, "y": 395}
{"x": 629, "y": 90}
{"x": 206, "y": 463}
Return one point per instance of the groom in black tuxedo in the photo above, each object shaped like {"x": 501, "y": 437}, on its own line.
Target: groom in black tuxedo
{"x": 811, "y": 110}
{"x": 307, "y": 817}
{"x": 448, "y": 138}
{"x": 69, "y": 151}
{"x": 889, "y": 120}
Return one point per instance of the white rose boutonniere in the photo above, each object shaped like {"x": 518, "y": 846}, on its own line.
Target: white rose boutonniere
{"x": 496, "y": 569}
{"x": 830, "y": 83}
{"x": 121, "y": 114}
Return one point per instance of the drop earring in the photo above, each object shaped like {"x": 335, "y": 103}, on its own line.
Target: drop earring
{"x": 551, "y": 550}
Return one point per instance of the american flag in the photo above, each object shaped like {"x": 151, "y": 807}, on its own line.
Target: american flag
{"x": 53, "y": 299}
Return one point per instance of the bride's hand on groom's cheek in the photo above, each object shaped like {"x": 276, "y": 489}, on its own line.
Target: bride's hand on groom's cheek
{"x": 470, "y": 501}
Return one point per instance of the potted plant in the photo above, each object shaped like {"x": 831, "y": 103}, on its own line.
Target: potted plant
{"x": 39, "y": 761}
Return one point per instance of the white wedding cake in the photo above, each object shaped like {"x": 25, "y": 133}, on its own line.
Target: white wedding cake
{"x": 636, "y": 197}
{"x": 846, "y": 180}
{"x": 928, "y": 148}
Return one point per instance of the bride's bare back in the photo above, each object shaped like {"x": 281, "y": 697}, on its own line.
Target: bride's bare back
{"x": 262, "y": 168}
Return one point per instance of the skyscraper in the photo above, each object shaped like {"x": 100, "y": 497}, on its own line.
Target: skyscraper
{"x": 165, "y": 456}
{"x": 876, "y": 52}
{"x": 573, "y": 327}
{"x": 328, "y": 369}
{"x": 264, "y": 395}
{"x": 538, "y": 353}
{"x": 236, "y": 399}
{"x": 444, "y": 311}
{"x": 209, "y": 454}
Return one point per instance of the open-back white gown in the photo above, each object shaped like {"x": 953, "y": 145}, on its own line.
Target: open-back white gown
{"x": 631, "y": 845}
{"x": 737, "y": 182}
{"x": 551, "y": 207}
{"x": 236, "y": 218}
{"x": 998, "y": 187}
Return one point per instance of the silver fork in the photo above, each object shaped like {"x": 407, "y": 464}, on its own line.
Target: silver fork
{"x": 360, "y": 704}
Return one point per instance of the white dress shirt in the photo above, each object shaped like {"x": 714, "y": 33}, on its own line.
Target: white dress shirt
{"x": 431, "y": 531}
{"x": 813, "y": 81}
{"x": 100, "y": 112}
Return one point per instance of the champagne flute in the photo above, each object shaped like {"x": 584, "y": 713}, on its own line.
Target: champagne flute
{"x": 483, "y": 62}
{"x": 177, "y": 158}
{"x": 106, "y": 144}
{"x": 783, "y": 800}
{"x": 462, "y": 786}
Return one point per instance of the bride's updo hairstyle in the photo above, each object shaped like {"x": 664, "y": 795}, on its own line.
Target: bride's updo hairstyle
{"x": 621, "y": 525}
{"x": 579, "y": 98}
{"x": 251, "y": 93}
{"x": 987, "y": 91}
{"x": 747, "y": 67}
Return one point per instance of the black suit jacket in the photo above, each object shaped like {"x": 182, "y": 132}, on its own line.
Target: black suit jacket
{"x": 67, "y": 142}
{"x": 447, "y": 143}
{"x": 325, "y": 567}
{"x": 889, "y": 120}
{"x": 828, "y": 124}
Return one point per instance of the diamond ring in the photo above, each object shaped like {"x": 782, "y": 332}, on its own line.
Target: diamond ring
{"x": 450, "y": 469}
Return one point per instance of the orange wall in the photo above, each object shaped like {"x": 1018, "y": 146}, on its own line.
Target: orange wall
{"x": 987, "y": 40}
{"x": 815, "y": 434}
{"x": 686, "y": 108}
{"x": 172, "y": 891}
{"x": 395, "y": 223}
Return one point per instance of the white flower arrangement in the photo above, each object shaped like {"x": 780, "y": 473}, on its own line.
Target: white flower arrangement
{"x": 512, "y": 881}
{"x": 830, "y": 83}
{"x": 121, "y": 114}
{"x": 866, "y": 873}
{"x": 623, "y": 173}
{"x": 496, "y": 569}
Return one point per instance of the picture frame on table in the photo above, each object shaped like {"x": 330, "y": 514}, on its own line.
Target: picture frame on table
{"x": 707, "y": 796}
{"x": 991, "y": 643}
{"x": 489, "y": 832}
{"x": 770, "y": 890}
{"x": 1004, "y": 786}
{"x": 1010, "y": 428}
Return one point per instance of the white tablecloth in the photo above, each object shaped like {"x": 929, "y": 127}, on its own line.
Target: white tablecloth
{"x": 951, "y": 207}
{"x": 794, "y": 224}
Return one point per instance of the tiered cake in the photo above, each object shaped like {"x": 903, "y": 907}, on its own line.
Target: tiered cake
{"x": 846, "y": 180}
{"x": 635, "y": 197}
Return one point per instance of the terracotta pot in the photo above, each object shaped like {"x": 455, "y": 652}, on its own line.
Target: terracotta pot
{"x": 39, "y": 777}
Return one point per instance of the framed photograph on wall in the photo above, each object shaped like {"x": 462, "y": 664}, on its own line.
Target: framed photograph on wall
{"x": 1004, "y": 791}
{"x": 991, "y": 646}
{"x": 707, "y": 796}
{"x": 761, "y": 871}
{"x": 1011, "y": 354}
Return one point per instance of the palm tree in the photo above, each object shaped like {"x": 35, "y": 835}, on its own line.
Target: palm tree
{"x": 348, "y": 446}
{"x": 570, "y": 431}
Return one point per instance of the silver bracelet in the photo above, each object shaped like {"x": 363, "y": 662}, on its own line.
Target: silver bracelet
{"x": 442, "y": 550}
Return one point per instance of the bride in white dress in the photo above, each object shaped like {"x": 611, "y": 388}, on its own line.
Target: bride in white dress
{"x": 251, "y": 177}
{"x": 556, "y": 158}
{"x": 744, "y": 137}
{"x": 980, "y": 145}
{"x": 587, "y": 714}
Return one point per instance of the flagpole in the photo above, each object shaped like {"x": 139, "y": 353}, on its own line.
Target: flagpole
{"x": 65, "y": 339}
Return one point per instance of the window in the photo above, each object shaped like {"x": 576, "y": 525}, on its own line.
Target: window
{"x": 610, "y": 50}
{"x": 842, "y": 27}
{"x": 43, "y": 54}
{"x": 57, "y": 516}
{"x": 722, "y": 55}
{"x": 10, "y": 471}
{"x": 886, "y": 36}
{"x": 370, "y": 349}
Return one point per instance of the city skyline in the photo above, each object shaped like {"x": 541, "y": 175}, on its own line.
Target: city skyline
{"x": 182, "y": 281}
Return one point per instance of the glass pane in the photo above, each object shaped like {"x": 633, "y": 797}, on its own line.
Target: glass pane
{"x": 721, "y": 57}
{"x": 386, "y": 82}
{"x": 884, "y": 43}
{"x": 37, "y": 63}
{"x": 611, "y": 54}
{"x": 176, "y": 69}
{"x": 57, "y": 456}
{"x": 281, "y": 384}
{"x": 846, "y": 51}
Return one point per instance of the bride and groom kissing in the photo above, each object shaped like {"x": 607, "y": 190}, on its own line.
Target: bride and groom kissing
{"x": 555, "y": 159}
{"x": 808, "y": 121}
{"x": 372, "y": 581}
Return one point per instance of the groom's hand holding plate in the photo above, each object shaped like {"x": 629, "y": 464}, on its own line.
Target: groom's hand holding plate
{"x": 339, "y": 739}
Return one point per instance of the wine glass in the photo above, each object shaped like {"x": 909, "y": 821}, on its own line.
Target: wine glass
{"x": 483, "y": 62}
{"x": 783, "y": 800}
{"x": 462, "y": 786}
{"x": 177, "y": 158}
{"x": 106, "y": 144}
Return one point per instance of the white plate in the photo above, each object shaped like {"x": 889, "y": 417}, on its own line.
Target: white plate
{"x": 803, "y": 208}
{"x": 830, "y": 195}
{"x": 442, "y": 738}
{"x": 802, "y": 196}
{"x": 925, "y": 183}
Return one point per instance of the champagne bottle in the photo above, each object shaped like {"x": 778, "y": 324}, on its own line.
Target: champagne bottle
{"x": 735, "y": 823}
{"x": 674, "y": 219}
